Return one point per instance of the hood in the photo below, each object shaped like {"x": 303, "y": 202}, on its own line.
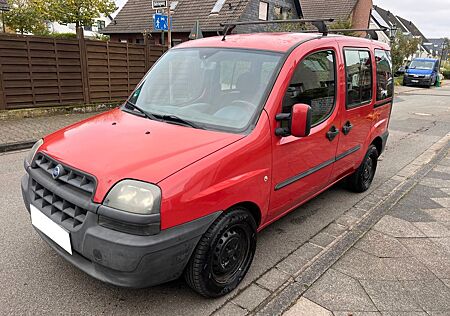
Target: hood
{"x": 116, "y": 145}
{"x": 419, "y": 71}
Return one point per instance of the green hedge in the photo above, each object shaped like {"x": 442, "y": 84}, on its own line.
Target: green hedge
{"x": 446, "y": 73}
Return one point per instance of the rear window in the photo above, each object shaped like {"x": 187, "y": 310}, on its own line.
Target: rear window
{"x": 385, "y": 82}
{"x": 358, "y": 67}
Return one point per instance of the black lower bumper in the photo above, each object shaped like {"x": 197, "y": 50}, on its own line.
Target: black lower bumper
{"x": 417, "y": 82}
{"x": 129, "y": 260}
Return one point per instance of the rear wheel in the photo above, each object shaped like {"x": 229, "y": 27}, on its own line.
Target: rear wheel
{"x": 223, "y": 255}
{"x": 361, "y": 180}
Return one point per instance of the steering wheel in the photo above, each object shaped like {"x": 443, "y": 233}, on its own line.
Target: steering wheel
{"x": 249, "y": 106}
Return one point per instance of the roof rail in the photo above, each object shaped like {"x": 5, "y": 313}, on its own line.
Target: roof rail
{"x": 318, "y": 23}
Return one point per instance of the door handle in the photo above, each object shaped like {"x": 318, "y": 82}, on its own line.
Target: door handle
{"x": 332, "y": 133}
{"x": 347, "y": 128}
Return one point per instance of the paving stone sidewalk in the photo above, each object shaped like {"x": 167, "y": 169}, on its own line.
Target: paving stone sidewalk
{"x": 400, "y": 267}
{"x": 28, "y": 130}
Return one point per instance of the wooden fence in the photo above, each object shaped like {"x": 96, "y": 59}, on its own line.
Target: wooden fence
{"x": 38, "y": 71}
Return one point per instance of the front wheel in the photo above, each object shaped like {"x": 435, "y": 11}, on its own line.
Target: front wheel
{"x": 361, "y": 180}
{"x": 223, "y": 255}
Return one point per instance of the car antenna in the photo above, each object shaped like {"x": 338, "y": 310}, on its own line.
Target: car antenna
{"x": 318, "y": 23}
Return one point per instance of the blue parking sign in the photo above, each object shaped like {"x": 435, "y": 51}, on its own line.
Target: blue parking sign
{"x": 160, "y": 22}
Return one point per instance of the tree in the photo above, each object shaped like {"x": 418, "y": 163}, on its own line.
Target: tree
{"x": 343, "y": 25}
{"x": 80, "y": 12}
{"x": 402, "y": 48}
{"x": 25, "y": 17}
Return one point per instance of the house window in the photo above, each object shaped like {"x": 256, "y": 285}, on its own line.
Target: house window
{"x": 263, "y": 10}
{"x": 278, "y": 13}
{"x": 100, "y": 25}
{"x": 87, "y": 27}
{"x": 358, "y": 67}
{"x": 385, "y": 82}
{"x": 314, "y": 83}
{"x": 218, "y": 6}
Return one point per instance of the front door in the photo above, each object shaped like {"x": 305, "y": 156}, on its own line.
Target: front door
{"x": 302, "y": 166}
{"x": 357, "y": 115}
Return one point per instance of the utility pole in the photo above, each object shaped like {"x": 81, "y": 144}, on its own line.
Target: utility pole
{"x": 169, "y": 24}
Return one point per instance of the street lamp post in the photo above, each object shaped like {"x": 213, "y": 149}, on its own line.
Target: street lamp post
{"x": 169, "y": 24}
{"x": 393, "y": 33}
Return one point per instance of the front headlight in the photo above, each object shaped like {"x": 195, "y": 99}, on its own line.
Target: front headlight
{"x": 135, "y": 197}
{"x": 427, "y": 76}
{"x": 30, "y": 156}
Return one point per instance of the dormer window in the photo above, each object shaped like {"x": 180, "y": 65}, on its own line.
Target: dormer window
{"x": 218, "y": 6}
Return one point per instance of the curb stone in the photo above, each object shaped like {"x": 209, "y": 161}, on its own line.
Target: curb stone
{"x": 352, "y": 226}
{"x": 16, "y": 146}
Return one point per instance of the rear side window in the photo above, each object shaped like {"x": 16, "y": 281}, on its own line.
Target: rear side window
{"x": 313, "y": 83}
{"x": 358, "y": 67}
{"x": 385, "y": 81}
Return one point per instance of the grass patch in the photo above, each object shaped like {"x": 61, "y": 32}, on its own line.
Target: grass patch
{"x": 398, "y": 81}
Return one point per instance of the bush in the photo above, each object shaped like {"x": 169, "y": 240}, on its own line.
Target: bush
{"x": 398, "y": 81}
{"x": 446, "y": 73}
{"x": 63, "y": 35}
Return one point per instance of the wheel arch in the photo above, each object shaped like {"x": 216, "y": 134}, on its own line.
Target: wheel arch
{"x": 253, "y": 209}
{"x": 378, "y": 142}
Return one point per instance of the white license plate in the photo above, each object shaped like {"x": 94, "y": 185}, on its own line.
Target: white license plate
{"x": 52, "y": 230}
{"x": 415, "y": 81}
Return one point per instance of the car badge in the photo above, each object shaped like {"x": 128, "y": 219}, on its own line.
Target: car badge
{"x": 56, "y": 172}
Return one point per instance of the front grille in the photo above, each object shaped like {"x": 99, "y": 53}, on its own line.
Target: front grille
{"x": 68, "y": 175}
{"x": 59, "y": 210}
{"x": 65, "y": 199}
{"x": 417, "y": 76}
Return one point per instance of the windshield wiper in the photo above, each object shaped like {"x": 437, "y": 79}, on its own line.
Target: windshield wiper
{"x": 144, "y": 112}
{"x": 179, "y": 120}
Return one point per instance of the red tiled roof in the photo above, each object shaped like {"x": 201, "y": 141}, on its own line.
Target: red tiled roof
{"x": 136, "y": 16}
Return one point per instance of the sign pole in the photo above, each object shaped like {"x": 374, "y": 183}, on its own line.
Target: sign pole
{"x": 169, "y": 32}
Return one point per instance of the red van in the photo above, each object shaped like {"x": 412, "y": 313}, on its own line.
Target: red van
{"x": 220, "y": 139}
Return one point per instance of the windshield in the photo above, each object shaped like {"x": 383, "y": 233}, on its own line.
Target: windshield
{"x": 422, "y": 65}
{"x": 213, "y": 88}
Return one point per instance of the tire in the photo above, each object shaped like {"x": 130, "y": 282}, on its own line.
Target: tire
{"x": 223, "y": 255}
{"x": 361, "y": 180}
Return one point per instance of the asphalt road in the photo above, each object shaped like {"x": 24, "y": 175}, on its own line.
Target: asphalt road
{"x": 34, "y": 280}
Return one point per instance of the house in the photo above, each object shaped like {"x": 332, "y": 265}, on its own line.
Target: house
{"x": 358, "y": 11}
{"x": 136, "y": 17}
{"x": 384, "y": 18}
{"x": 90, "y": 31}
{"x": 437, "y": 47}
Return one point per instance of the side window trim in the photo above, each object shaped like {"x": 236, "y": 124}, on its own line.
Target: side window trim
{"x": 363, "y": 103}
{"x": 334, "y": 52}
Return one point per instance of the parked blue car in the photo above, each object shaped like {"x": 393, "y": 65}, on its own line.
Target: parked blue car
{"x": 422, "y": 72}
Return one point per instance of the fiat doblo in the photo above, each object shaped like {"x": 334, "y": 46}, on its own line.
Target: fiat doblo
{"x": 220, "y": 139}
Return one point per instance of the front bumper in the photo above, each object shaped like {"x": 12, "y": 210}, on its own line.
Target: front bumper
{"x": 411, "y": 81}
{"x": 129, "y": 260}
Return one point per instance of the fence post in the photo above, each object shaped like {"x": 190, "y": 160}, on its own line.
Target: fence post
{"x": 2, "y": 91}
{"x": 84, "y": 65}
{"x": 146, "y": 52}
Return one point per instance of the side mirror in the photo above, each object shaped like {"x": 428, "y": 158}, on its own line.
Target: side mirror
{"x": 299, "y": 121}
{"x": 301, "y": 117}
{"x": 406, "y": 67}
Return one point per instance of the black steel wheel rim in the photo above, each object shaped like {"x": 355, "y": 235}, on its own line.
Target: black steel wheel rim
{"x": 231, "y": 254}
{"x": 368, "y": 171}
